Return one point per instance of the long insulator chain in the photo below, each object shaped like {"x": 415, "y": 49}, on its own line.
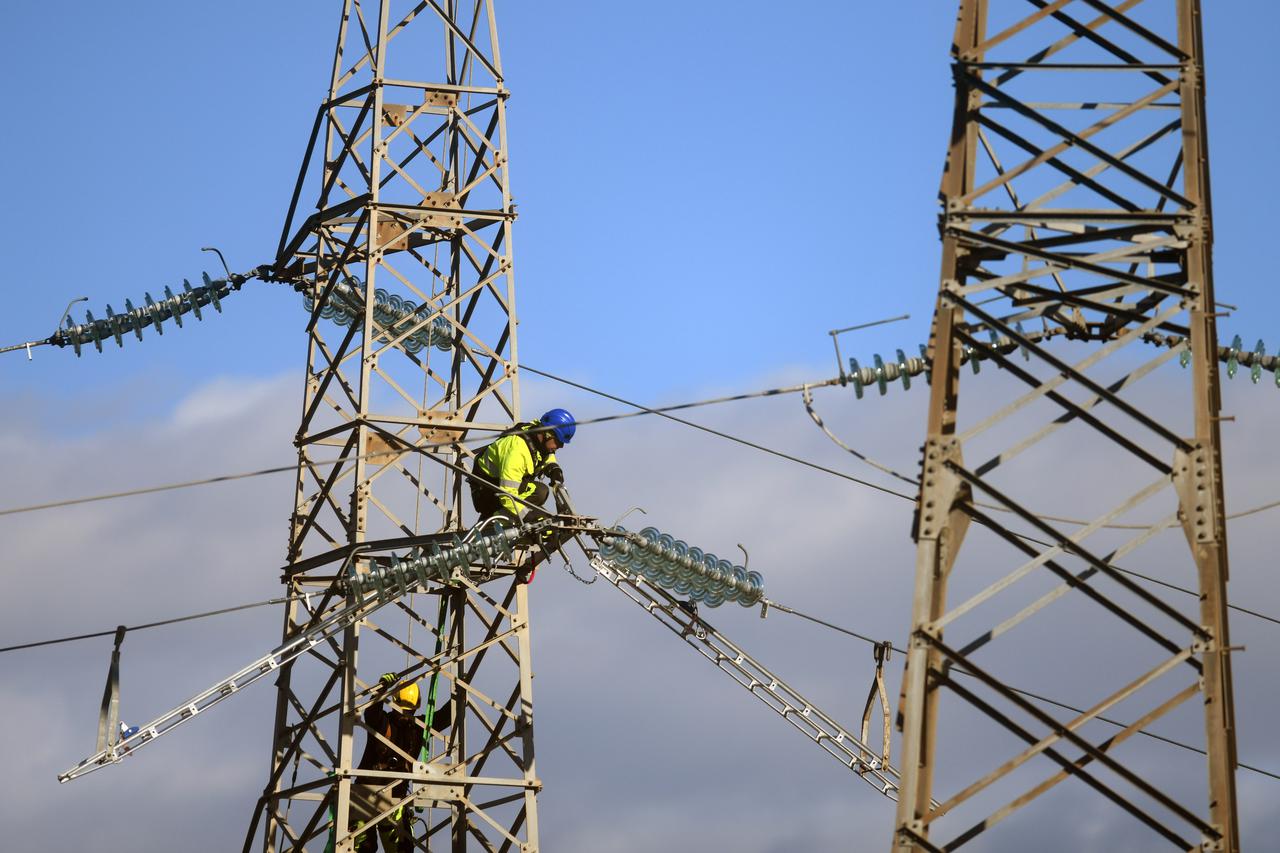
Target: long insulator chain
{"x": 151, "y": 313}
{"x": 1232, "y": 356}
{"x": 672, "y": 564}
{"x": 345, "y": 306}
{"x": 390, "y": 580}
{"x": 882, "y": 372}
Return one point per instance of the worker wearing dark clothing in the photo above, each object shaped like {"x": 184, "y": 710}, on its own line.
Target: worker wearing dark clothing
{"x": 370, "y": 795}
{"x": 508, "y": 468}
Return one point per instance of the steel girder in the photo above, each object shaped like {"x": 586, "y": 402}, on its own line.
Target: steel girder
{"x": 406, "y": 260}
{"x": 1075, "y": 194}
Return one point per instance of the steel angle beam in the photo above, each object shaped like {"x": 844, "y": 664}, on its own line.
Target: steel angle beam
{"x": 399, "y": 233}
{"x": 1114, "y": 242}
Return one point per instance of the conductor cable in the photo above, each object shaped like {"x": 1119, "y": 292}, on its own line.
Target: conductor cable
{"x": 147, "y": 625}
{"x": 724, "y": 435}
{"x": 888, "y": 646}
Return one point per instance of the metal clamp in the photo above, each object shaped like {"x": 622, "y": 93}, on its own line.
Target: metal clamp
{"x": 881, "y": 653}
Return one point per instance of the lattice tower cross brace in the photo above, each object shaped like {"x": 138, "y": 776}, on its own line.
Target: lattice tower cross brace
{"x": 946, "y": 501}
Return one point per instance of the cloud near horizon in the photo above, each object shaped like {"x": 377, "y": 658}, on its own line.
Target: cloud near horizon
{"x": 641, "y": 745}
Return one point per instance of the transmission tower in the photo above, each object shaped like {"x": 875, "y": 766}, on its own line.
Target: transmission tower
{"x": 1075, "y": 193}
{"x": 406, "y": 261}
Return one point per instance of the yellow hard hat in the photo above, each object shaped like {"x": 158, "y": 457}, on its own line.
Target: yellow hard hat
{"x": 408, "y": 697}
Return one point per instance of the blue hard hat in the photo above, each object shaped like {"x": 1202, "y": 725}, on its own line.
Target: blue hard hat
{"x": 562, "y": 424}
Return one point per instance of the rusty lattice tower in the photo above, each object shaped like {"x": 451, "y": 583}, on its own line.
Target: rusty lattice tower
{"x": 1075, "y": 198}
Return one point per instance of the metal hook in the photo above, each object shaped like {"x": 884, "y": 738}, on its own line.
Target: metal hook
{"x": 475, "y": 531}
{"x": 216, "y": 251}
{"x": 881, "y": 652}
{"x": 834, "y": 333}
{"x": 628, "y": 512}
{"x": 65, "y": 312}
{"x": 695, "y": 621}
{"x": 52, "y": 339}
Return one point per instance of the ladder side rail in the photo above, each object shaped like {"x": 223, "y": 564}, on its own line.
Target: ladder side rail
{"x": 201, "y": 702}
{"x": 757, "y": 679}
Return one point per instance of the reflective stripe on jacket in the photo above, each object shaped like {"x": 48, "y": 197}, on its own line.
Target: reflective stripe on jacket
{"x": 512, "y": 463}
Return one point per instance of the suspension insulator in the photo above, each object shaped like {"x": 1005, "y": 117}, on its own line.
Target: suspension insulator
{"x": 881, "y": 382}
{"x": 150, "y": 313}
{"x": 1233, "y": 357}
{"x": 433, "y": 564}
{"x": 855, "y": 374}
{"x": 881, "y": 373}
{"x": 391, "y": 313}
{"x": 672, "y": 564}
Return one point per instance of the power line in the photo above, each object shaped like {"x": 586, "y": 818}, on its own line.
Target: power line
{"x": 142, "y": 627}
{"x": 773, "y": 605}
{"x": 804, "y": 389}
{"x": 724, "y": 435}
{"x": 807, "y": 397}
{"x": 801, "y": 389}
{"x": 642, "y": 410}
{"x": 817, "y": 419}
{"x": 769, "y": 392}
{"x": 645, "y": 410}
{"x": 1256, "y": 509}
{"x": 224, "y": 478}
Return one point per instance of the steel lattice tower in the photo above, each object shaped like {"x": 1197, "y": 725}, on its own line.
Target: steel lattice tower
{"x": 407, "y": 260}
{"x": 1075, "y": 198}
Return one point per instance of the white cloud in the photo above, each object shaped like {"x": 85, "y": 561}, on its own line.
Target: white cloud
{"x": 229, "y": 400}
{"x": 640, "y": 743}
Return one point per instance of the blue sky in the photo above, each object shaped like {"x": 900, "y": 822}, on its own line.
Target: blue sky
{"x": 704, "y": 190}
{"x": 694, "y": 203}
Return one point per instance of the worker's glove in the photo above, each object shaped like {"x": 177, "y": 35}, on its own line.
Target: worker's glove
{"x": 555, "y": 473}
{"x": 388, "y": 680}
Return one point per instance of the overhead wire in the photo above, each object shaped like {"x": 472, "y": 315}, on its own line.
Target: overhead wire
{"x": 817, "y": 419}
{"x": 147, "y": 625}
{"x": 807, "y": 396}
{"x": 646, "y": 410}
{"x": 294, "y": 466}
{"x": 147, "y": 490}
{"x": 641, "y": 410}
{"x": 803, "y": 388}
{"x": 721, "y": 434}
{"x": 773, "y": 605}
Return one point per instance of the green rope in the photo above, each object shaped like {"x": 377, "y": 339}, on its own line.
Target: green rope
{"x": 424, "y": 754}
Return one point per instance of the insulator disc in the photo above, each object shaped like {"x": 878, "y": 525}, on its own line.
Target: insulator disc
{"x": 726, "y": 571}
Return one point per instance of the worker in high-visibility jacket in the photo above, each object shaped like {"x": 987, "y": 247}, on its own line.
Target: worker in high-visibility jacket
{"x": 509, "y": 467}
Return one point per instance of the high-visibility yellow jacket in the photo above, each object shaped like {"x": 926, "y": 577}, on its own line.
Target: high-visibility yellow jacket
{"x": 512, "y": 463}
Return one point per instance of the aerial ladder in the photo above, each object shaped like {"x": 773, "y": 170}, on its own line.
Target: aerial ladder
{"x": 642, "y": 566}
